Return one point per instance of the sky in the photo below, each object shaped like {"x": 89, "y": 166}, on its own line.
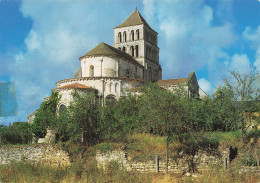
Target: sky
{"x": 41, "y": 40}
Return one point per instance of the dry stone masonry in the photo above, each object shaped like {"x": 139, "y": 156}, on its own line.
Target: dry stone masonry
{"x": 38, "y": 153}
{"x": 157, "y": 163}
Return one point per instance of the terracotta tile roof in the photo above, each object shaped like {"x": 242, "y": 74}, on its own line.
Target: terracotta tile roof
{"x": 134, "y": 19}
{"x": 172, "y": 81}
{"x": 76, "y": 85}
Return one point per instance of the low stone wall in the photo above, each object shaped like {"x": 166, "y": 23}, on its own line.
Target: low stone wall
{"x": 44, "y": 153}
{"x": 157, "y": 163}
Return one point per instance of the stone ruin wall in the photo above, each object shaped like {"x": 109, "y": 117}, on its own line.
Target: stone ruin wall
{"x": 38, "y": 153}
{"x": 54, "y": 156}
{"x": 157, "y": 163}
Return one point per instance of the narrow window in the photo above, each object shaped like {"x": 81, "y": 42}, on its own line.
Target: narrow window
{"x": 91, "y": 71}
{"x": 137, "y": 34}
{"x": 119, "y": 37}
{"x": 133, "y": 35}
{"x": 63, "y": 111}
{"x": 123, "y": 49}
{"x": 124, "y": 36}
{"x": 136, "y": 51}
{"x": 132, "y": 51}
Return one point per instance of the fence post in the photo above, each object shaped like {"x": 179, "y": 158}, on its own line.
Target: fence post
{"x": 157, "y": 162}
{"x": 225, "y": 163}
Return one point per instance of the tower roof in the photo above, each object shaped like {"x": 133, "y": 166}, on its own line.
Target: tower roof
{"x": 104, "y": 49}
{"x": 134, "y": 19}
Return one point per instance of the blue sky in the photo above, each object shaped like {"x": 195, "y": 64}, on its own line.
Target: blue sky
{"x": 41, "y": 40}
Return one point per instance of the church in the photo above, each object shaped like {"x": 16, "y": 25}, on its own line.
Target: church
{"x": 112, "y": 71}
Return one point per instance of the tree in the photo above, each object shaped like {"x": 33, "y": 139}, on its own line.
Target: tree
{"x": 165, "y": 113}
{"x": 83, "y": 119}
{"x": 245, "y": 96}
{"x": 46, "y": 115}
{"x": 18, "y": 133}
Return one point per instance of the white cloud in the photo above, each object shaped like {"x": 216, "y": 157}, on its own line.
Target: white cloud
{"x": 240, "y": 63}
{"x": 61, "y": 32}
{"x": 205, "y": 85}
{"x": 188, "y": 35}
{"x": 254, "y": 37}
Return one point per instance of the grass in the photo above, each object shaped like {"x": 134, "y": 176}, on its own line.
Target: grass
{"x": 216, "y": 174}
{"x": 114, "y": 173}
{"x": 226, "y": 138}
{"x": 78, "y": 172}
{"x": 85, "y": 169}
{"x": 145, "y": 143}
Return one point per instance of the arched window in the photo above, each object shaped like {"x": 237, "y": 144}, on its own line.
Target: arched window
{"x": 132, "y": 35}
{"x": 124, "y": 36}
{"x": 62, "y": 111}
{"x": 110, "y": 100}
{"x": 119, "y": 37}
{"x": 132, "y": 51}
{"x": 137, "y": 34}
{"x": 91, "y": 71}
{"x": 119, "y": 48}
{"x": 123, "y": 49}
{"x": 154, "y": 40}
{"x": 136, "y": 51}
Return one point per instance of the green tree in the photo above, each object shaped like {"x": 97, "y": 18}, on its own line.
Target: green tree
{"x": 18, "y": 133}
{"x": 244, "y": 95}
{"x": 46, "y": 115}
{"x": 164, "y": 113}
{"x": 83, "y": 119}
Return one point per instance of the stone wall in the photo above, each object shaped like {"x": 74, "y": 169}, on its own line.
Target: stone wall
{"x": 39, "y": 153}
{"x": 156, "y": 163}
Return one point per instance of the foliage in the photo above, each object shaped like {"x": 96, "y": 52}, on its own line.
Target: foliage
{"x": 46, "y": 115}
{"x": 123, "y": 118}
{"x": 244, "y": 95}
{"x": 18, "y": 133}
{"x": 82, "y": 122}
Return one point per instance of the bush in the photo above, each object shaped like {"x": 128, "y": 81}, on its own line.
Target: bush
{"x": 18, "y": 133}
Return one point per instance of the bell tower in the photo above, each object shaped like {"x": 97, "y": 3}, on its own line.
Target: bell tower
{"x": 135, "y": 37}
